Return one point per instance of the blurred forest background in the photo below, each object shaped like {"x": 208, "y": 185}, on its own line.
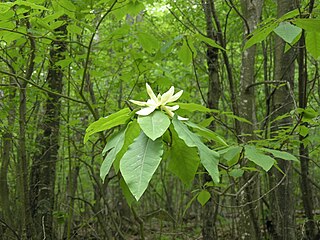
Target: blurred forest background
{"x": 66, "y": 63}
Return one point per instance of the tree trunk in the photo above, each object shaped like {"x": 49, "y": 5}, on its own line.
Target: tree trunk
{"x": 306, "y": 189}
{"x": 283, "y": 218}
{"x": 251, "y": 12}
{"x": 44, "y": 162}
{"x": 210, "y": 210}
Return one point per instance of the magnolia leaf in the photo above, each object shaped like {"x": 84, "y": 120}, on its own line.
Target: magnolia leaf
{"x": 140, "y": 162}
{"x": 208, "y": 157}
{"x": 193, "y": 107}
{"x": 203, "y": 197}
{"x": 132, "y": 132}
{"x": 287, "y": 31}
{"x": 259, "y": 158}
{"x": 207, "y": 133}
{"x": 184, "y": 161}
{"x": 113, "y": 120}
{"x": 154, "y": 125}
{"x": 114, "y": 144}
{"x": 126, "y": 192}
{"x": 281, "y": 154}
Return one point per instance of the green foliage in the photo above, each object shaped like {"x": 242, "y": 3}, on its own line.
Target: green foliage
{"x": 154, "y": 125}
{"x": 140, "y": 162}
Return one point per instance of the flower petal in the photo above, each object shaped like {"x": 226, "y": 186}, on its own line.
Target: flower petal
{"x": 146, "y": 111}
{"x": 138, "y": 102}
{"x": 167, "y": 95}
{"x": 176, "y": 96}
{"x": 151, "y": 93}
{"x": 182, "y": 118}
{"x": 173, "y": 108}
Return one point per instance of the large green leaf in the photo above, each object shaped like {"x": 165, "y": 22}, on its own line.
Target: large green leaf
{"x": 256, "y": 156}
{"x": 140, "y": 162}
{"x": 184, "y": 161}
{"x": 313, "y": 43}
{"x": 113, "y": 120}
{"x": 308, "y": 24}
{"x": 115, "y": 144}
{"x": 260, "y": 34}
{"x": 287, "y": 31}
{"x": 208, "y": 157}
{"x": 281, "y": 154}
{"x": 207, "y": 133}
{"x": 192, "y": 107}
{"x": 155, "y": 124}
{"x": 132, "y": 132}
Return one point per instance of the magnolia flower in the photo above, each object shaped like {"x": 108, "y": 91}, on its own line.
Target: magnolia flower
{"x": 158, "y": 102}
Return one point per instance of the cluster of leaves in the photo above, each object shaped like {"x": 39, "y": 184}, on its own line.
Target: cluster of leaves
{"x": 142, "y": 142}
{"x": 290, "y": 27}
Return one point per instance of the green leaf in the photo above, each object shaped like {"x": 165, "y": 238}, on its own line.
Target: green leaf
{"x": 207, "y": 133}
{"x": 155, "y": 124}
{"x": 281, "y": 154}
{"x": 236, "y": 173}
{"x": 203, "y": 197}
{"x": 308, "y": 24}
{"x": 208, "y": 157}
{"x": 132, "y": 132}
{"x": 148, "y": 42}
{"x": 189, "y": 203}
{"x": 259, "y": 158}
{"x": 260, "y": 34}
{"x": 303, "y": 130}
{"x": 240, "y": 119}
{"x": 193, "y": 107}
{"x": 231, "y": 154}
{"x": 184, "y": 161}
{"x": 313, "y": 43}
{"x": 185, "y": 54}
{"x": 115, "y": 145}
{"x": 287, "y": 31}
{"x": 74, "y": 29}
{"x": 113, "y": 120}
{"x": 209, "y": 41}
{"x": 126, "y": 192}
{"x": 140, "y": 162}
{"x": 134, "y": 7}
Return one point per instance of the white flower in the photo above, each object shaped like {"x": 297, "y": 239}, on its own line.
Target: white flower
{"x": 158, "y": 102}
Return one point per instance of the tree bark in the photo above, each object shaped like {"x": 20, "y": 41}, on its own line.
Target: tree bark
{"x": 44, "y": 162}
{"x": 282, "y": 212}
{"x": 210, "y": 210}
{"x": 251, "y": 14}
{"x": 306, "y": 189}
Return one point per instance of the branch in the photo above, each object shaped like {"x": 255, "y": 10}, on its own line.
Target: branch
{"x": 41, "y": 88}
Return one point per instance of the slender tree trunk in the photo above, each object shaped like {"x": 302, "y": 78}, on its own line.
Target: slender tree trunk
{"x": 306, "y": 189}
{"x": 44, "y": 163}
{"x": 210, "y": 210}
{"x": 251, "y": 13}
{"x": 283, "y": 218}
{"x": 5, "y": 204}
